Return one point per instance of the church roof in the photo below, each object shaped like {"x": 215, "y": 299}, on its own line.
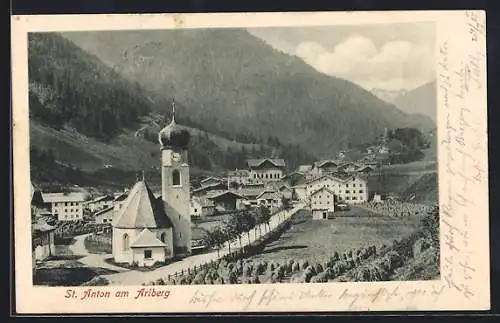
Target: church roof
{"x": 142, "y": 210}
{"x": 147, "y": 239}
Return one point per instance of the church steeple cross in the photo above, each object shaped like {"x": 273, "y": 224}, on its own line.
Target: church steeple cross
{"x": 173, "y": 110}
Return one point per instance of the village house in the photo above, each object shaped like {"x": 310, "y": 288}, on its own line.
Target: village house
{"x": 250, "y": 192}
{"x": 201, "y": 206}
{"x": 324, "y": 167}
{"x": 348, "y": 188}
{"x": 300, "y": 192}
{"x": 286, "y": 192}
{"x": 322, "y": 203}
{"x": 105, "y": 216}
{"x": 269, "y": 199}
{"x": 210, "y": 189}
{"x": 148, "y": 229}
{"x": 227, "y": 201}
{"x": 365, "y": 169}
{"x": 304, "y": 169}
{"x": 347, "y": 167}
{"x": 42, "y": 233}
{"x": 65, "y": 206}
{"x": 266, "y": 169}
{"x": 210, "y": 181}
{"x": 99, "y": 203}
{"x": 238, "y": 176}
{"x": 43, "y": 240}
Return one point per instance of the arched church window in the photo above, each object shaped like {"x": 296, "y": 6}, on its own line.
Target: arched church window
{"x": 125, "y": 242}
{"x": 176, "y": 178}
{"x": 162, "y": 237}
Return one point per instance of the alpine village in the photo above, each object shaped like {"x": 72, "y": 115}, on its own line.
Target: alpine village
{"x": 145, "y": 171}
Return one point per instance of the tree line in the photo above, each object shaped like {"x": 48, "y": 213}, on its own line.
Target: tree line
{"x": 241, "y": 222}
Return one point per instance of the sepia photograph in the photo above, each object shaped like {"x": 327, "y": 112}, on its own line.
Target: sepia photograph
{"x": 234, "y": 156}
{"x": 259, "y": 155}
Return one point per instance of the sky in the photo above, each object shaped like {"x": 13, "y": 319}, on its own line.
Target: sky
{"x": 388, "y": 56}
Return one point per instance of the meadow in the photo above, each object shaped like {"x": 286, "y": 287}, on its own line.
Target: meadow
{"x": 317, "y": 240}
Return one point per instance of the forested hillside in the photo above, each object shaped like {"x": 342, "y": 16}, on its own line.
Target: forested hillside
{"x": 84, "y": 115}
{"x": 233, "y": 82}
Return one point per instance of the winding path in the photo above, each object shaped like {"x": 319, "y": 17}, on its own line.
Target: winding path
{"x": 90, "y": 259}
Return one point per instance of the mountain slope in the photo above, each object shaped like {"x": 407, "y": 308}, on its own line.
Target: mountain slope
{"x": 388, "y": 95}
{"x": 232, "y": 81}
{"x": 85, "y": 116}
{"x": 421, "y": 100}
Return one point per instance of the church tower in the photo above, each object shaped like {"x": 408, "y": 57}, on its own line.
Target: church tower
{"x": 175, "y": 183}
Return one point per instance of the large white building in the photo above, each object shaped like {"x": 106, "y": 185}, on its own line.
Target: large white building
{"x": 351, "y": 189}
{"x": 266, "y": 170}
{"x": 149, "y": 229}
{"x": 65, "y": 206}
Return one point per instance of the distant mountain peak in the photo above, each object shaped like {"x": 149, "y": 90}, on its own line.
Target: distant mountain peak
{"x": 388, "y": 95}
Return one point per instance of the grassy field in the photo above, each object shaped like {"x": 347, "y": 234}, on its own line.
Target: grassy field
{"x": 316, "y": 240}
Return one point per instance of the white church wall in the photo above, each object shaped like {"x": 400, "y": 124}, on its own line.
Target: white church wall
{"x": 169, "y": 241}
{"x": 120, "y": 253}
{"x": 157, "y": 255}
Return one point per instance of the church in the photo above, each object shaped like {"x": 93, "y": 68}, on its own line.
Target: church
{"x": 148, "y": 229}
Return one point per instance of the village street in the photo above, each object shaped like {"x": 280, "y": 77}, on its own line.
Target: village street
{"x": 133, "y": 277}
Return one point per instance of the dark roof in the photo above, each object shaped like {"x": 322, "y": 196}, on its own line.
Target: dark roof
{"x": 325, "y": 162}
{"x": 269, "y": 195}
{"x": 102, "y": 198}
{"x": 142, "y": 210}
{"x": 214, "y": 186}
{"x": 36, "y": 196}
{"x": 211, "y": 178}
{"x": 121, "y": 197}
{"x": 108, "y": 209}
{"x": 278, "y": 162}
{"x": 218, "y": 195}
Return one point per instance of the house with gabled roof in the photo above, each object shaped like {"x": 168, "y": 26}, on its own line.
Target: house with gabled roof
{"x": 147, "y": 249}
{"x": 266, "y": 169}
{"x": 65, "y": 206}
{"x": 269, "y": 199}
{"x": 99, "y": 203}
{"x": 323, "y": 203}
{"x": 324, "y": 167}
{"x": 105, "y": 216}
{"x": 202, "y": 206}
{"x": 227, "y": 201}
{"x": 348, "y": 188}
{"x": 211, "y": 181}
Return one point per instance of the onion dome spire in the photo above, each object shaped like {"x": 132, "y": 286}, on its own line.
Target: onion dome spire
{"x": 173, "y": 135}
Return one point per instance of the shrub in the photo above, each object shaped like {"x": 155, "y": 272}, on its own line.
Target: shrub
{"x": 260, "y": 268}
{"x": 393, "y": 260}
{"x": 318, "y": 268}
{"x": 199, "y": 278}
{"x": 336, "y": 256}
{"x": 96, "y": 281}
{"x": 295, "y": 267}
{"x": 305, "y": 264}
{"x": 319, "y": 278}
{"x": 233, "y": 279}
